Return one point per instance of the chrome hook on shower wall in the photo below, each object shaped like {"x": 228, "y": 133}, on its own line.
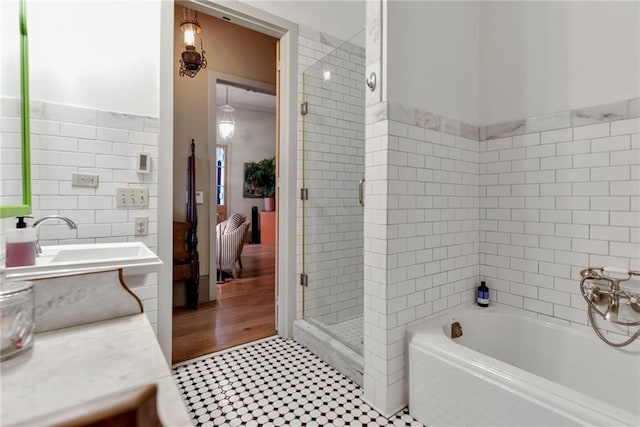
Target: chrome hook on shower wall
{"x": 371, "y": 82}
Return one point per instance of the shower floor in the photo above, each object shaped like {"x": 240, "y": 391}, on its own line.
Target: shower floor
{"x": 350, "y": 331}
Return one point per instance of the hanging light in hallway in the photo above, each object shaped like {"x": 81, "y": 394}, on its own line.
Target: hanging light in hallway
{"x": 226, "y": 124}
{"x": 191, "y": 61}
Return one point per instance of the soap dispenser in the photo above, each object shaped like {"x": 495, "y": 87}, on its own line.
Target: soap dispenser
{"x": 21, "y": 244}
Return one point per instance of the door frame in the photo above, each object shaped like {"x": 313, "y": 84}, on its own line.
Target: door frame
{"x": 287, "y": 32}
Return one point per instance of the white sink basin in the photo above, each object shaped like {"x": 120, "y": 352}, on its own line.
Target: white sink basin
{"x": 118, "y": 252}
{"x": 132, "y": 257}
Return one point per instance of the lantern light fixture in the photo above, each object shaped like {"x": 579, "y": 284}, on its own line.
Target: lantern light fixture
{"x": 226, "y": 124}
{"x": 191, "y": 60}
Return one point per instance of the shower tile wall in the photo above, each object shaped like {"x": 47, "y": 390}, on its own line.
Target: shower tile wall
{"x": 421, "y": 237}
{"x": 556, "y": 199}
{"x": 334, "y": 163}
{"x": 67, "y": 139}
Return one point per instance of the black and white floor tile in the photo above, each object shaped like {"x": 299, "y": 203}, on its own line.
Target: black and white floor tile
{"x": 274, "y": 382}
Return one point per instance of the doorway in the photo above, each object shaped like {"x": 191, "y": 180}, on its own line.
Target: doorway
{"x": 241, "y": 307}
{"x": 258, "y": 261}
{"x": 286, "y": 32}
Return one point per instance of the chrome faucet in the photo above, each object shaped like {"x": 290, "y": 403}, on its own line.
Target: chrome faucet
{"x": 600, "y": 287}
{"x": 72, "y": 226}
{"x": 612, "y": 309}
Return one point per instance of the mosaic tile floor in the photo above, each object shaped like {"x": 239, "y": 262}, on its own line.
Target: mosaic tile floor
{"x": 351, "y": 331}
{"x": 274, "y": 383}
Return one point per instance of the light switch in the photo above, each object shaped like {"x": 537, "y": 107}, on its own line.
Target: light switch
{"x": 128, "y": 197}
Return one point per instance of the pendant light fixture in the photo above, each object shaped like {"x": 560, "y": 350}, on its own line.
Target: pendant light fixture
{"x": 226, "y": 124}
{"x": 191, "y": 60}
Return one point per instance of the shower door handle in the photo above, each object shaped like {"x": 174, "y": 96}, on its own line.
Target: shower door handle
{"x": 361, "y": 192}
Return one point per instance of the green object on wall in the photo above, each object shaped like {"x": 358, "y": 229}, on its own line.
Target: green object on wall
{"x": 25, "y": 207}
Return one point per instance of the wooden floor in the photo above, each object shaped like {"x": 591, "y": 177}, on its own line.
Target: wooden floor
{"x": 243, "y": 312}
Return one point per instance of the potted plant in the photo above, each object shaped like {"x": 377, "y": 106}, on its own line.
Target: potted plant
{"x": 262, "y": 177}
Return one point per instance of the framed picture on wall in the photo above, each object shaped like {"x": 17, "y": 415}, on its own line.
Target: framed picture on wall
{"x": 248, "y": 191}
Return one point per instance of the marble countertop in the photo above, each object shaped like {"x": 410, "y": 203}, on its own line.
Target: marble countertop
{"x": 71, "y": 366}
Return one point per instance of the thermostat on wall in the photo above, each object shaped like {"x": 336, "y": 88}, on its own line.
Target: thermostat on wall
{"x": 143, "y": 164}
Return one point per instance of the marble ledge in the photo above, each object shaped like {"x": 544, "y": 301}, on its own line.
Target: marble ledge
{"x": 501, "y": 130}
{"x": 546, "y": 122}
{"x": 600, "y": 114}
{"x": 380, "y": 111}
{"x": 604, "y": 113}
{"x": 55, "y": 112}
{"x": 377, "y": 112}
{"x": 88, "y": 362}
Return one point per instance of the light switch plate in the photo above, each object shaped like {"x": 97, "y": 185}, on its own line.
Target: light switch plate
{"x": 84, "y": 180}
{"x": 129, "y": 197}
{"x": 142, "y": 226}
{"x": 199, "y": 197}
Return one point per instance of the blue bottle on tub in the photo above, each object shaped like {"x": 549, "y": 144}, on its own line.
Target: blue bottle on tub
{"x": 483, "y": 295}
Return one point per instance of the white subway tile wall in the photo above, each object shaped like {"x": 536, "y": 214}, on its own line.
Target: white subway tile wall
{"x": 577, "y": 206}
{"x": 65, "y": 140}
{"x": 422, "y": 244}
{"x": 332, "y": 138}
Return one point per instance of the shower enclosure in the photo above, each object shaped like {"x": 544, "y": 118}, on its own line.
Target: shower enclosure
{"x": 332, "y": 208}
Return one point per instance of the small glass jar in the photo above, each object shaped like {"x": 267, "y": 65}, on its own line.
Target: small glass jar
{"x": 17, "y": 319}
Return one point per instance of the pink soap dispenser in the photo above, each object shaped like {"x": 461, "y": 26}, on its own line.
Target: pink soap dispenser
{"x": 21, "y": 245}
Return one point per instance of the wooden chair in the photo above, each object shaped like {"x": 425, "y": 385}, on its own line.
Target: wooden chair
{"x": 185, "y": 267}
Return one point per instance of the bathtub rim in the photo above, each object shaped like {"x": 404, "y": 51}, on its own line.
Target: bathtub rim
{"x": 430, "y": 337}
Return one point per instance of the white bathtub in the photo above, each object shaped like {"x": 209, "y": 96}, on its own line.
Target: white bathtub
{"x": 513, "y": 369}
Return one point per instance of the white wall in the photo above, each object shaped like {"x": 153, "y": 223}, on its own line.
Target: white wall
{"x": 254, "y": 140}
{"x": 491, "y": 62}
{"x": 98, "y": 54}
{"x": 342, "y": 19}
{"x": 543, "y": 57}
{"x": 432, "y": 57}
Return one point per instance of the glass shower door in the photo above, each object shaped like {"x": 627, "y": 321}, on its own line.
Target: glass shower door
{"x": 333, "y": 163}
